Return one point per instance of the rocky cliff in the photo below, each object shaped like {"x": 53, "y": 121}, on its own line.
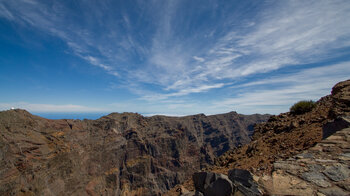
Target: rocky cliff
{"x": 118, "y": 154}
{"x": 322, "y": 170}
{"x": 288, "y": 134}
{"x": 290, "y": 154}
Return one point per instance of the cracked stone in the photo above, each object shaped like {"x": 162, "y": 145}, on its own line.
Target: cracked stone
{"x": 304, "y": 155}
{"x": 315, "y": 167}
{"x": 286, "y": 166}
{"x": 333, "y": 191}
{"x": 337, "y": 173}
{"x": 317, "y": 178}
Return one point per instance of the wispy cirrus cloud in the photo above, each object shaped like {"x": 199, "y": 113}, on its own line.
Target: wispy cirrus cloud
{"x": 167, "y": 50}
{"x": 288, "y": 33}
{"x": 283, "y": 34}
{"x": 77, "y": 31}
{"x": 278, "y": 93}
{"x": 183, "y": 92}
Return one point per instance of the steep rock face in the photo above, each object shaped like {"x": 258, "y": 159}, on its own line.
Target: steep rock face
{"x": 305, "y": 154}
{"x": 286, "y": 134}
{"x": 118, "y": 154}
{"x": 320, "y": 170}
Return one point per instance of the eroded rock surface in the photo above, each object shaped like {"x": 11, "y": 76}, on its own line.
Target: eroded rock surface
{"x": 285, "y": 135}
{"x": 305, "y": 154}
{"x": 322, "y": 169}
{"x": 118, "y": 154}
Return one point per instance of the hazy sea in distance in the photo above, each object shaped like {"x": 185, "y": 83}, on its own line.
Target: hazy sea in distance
{"x": 80, "y": 116}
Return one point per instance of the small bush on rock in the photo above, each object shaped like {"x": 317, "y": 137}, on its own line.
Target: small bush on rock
{"x": 302, "y": 107}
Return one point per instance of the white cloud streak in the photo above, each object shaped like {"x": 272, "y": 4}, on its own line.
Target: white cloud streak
{"x": 277, "y": 94}
{"x": 33, "y": 107}
{"x": 291, "y": 33}
{"x": 183, "y": 92}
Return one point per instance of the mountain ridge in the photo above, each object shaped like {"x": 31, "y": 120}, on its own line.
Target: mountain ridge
{"x": 117, "y": 154}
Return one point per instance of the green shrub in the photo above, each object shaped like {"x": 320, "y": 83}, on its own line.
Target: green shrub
{"x": 302, "y": 107}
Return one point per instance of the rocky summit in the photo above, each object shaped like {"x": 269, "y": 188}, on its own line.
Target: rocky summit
{"x": 118, "y": 154}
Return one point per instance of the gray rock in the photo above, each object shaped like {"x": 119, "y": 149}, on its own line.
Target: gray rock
{"x": 337, "y": 173}
{"x": 346, "y": 155}
{"x": 304, "y": 155}
{"x": 334, "y": 191}
{"x": 317, "y": 178}
{"x": 315, "y": 167}
{"x": 325, "y": 160}
{"x": 212, "y": 184}
{"x": 286, "y": 166}
{"x": 220, "y": 187}
{"x": 193, "y": 193}
{"x": 242, "y": 176}
{"x": 243, "y": 181}
{"x": 345, "y": 185}
{"x": 200, "y": 180}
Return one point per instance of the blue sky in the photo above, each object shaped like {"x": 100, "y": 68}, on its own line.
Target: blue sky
{"x": 170, "y": 57}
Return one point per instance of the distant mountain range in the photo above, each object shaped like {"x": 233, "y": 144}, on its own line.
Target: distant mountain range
{"x": 118, "y": 154}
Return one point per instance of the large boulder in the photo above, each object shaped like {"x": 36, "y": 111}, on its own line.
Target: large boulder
{"x": 212, "y": 184}
{"x": 243, "y": 182}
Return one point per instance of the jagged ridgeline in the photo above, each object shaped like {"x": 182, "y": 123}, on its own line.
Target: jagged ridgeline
{"x": 118, "y": 154}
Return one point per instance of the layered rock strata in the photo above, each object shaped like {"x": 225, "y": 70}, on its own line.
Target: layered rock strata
{"x": 320, "y": 170}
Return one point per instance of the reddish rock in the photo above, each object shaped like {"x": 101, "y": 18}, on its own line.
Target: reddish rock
{"x": 118, "y": 154}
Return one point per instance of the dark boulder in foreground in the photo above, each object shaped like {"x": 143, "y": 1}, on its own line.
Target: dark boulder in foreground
{"x": 244, "y": 183}
{"x": 239, "y": 182}
{"x": 212, "y": 184}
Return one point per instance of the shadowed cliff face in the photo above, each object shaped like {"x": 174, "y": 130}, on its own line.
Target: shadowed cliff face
{"x": 118, "y": 154}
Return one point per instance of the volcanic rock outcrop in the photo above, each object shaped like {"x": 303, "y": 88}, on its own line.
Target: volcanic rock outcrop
{"x": 305, "y": 154}
{"x": 320, "y": 170}
{"x": 286, "y": 135}
{"x": 118, "y": 154}
{"x": 238, "y": 182}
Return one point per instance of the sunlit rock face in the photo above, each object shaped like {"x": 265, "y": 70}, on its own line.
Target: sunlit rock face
{"x": 118, "y": 154}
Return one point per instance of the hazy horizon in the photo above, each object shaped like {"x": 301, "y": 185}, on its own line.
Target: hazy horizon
{"x": 96, "y": 115}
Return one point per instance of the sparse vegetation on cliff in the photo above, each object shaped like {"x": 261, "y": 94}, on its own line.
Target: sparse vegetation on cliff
{"x": 302, "y": 107}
